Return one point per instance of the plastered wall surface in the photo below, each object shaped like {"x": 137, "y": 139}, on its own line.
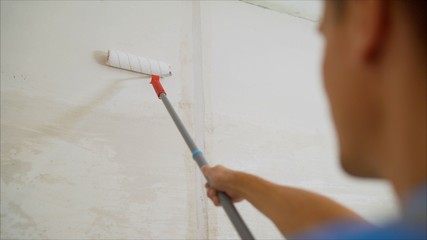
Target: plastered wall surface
{"x": 87, "y": 151}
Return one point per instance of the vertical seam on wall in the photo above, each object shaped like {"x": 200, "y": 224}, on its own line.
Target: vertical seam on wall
{"x": 199, "y": 119}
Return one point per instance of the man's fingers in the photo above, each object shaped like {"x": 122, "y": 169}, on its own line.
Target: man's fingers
{"x": 212, "y": 194}
{"x": 215, "y": 199}
{"x": 215, "y": 175}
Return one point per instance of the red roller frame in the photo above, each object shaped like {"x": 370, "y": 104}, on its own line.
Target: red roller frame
{"x": 155, "y": 81}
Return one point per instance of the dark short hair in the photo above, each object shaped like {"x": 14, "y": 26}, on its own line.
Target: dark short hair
{"x": 415, "y": 11}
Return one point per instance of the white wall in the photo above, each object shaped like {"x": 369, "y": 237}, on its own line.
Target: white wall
{"x": 87, "y": 151}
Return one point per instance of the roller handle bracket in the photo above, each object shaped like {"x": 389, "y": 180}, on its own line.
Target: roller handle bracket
{"x": 155, "y": 81}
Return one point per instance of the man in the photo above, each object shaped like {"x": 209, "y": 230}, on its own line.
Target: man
{"x": 374, "y": 72}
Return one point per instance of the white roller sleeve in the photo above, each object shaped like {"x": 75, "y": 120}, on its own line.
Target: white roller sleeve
{"x": 137, "y": 64}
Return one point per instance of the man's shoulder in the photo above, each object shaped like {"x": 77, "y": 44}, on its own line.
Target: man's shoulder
{"x": 412, "y": 224}
{"x": 361, "y": 231}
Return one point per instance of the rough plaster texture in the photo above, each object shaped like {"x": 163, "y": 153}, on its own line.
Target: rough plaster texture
{"x": 87, "y": 151}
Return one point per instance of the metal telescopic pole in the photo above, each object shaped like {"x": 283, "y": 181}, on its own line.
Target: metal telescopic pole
{"x": 198, "y": 156}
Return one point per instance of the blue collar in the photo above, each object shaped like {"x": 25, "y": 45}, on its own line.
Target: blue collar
{"x": 415, "y": 206}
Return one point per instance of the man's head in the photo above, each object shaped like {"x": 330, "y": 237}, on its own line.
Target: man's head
{"x": 374, "y": 74}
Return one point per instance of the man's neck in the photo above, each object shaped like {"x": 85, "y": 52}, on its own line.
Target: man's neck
{"x": 405, "y": 131}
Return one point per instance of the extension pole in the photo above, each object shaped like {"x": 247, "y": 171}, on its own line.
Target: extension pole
{"x": 198, "y": 156}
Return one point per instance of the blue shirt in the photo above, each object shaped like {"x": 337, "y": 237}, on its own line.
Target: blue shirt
{"x": 412, "y": 224}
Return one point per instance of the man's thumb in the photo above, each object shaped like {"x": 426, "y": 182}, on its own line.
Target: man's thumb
{"x": 205, "y": 170}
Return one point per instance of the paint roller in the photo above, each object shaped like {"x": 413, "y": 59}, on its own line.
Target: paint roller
{"x": 157, "y": 70}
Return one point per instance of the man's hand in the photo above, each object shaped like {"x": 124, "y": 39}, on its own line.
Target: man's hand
{"x": 224, "y": 180}
{"x": 292, "y": 210}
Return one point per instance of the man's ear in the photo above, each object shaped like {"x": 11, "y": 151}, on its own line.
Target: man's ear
{"x": 369, "y": 20}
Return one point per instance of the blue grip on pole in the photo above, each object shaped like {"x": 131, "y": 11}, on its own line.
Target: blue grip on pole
{"x": 197, "y": 152}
